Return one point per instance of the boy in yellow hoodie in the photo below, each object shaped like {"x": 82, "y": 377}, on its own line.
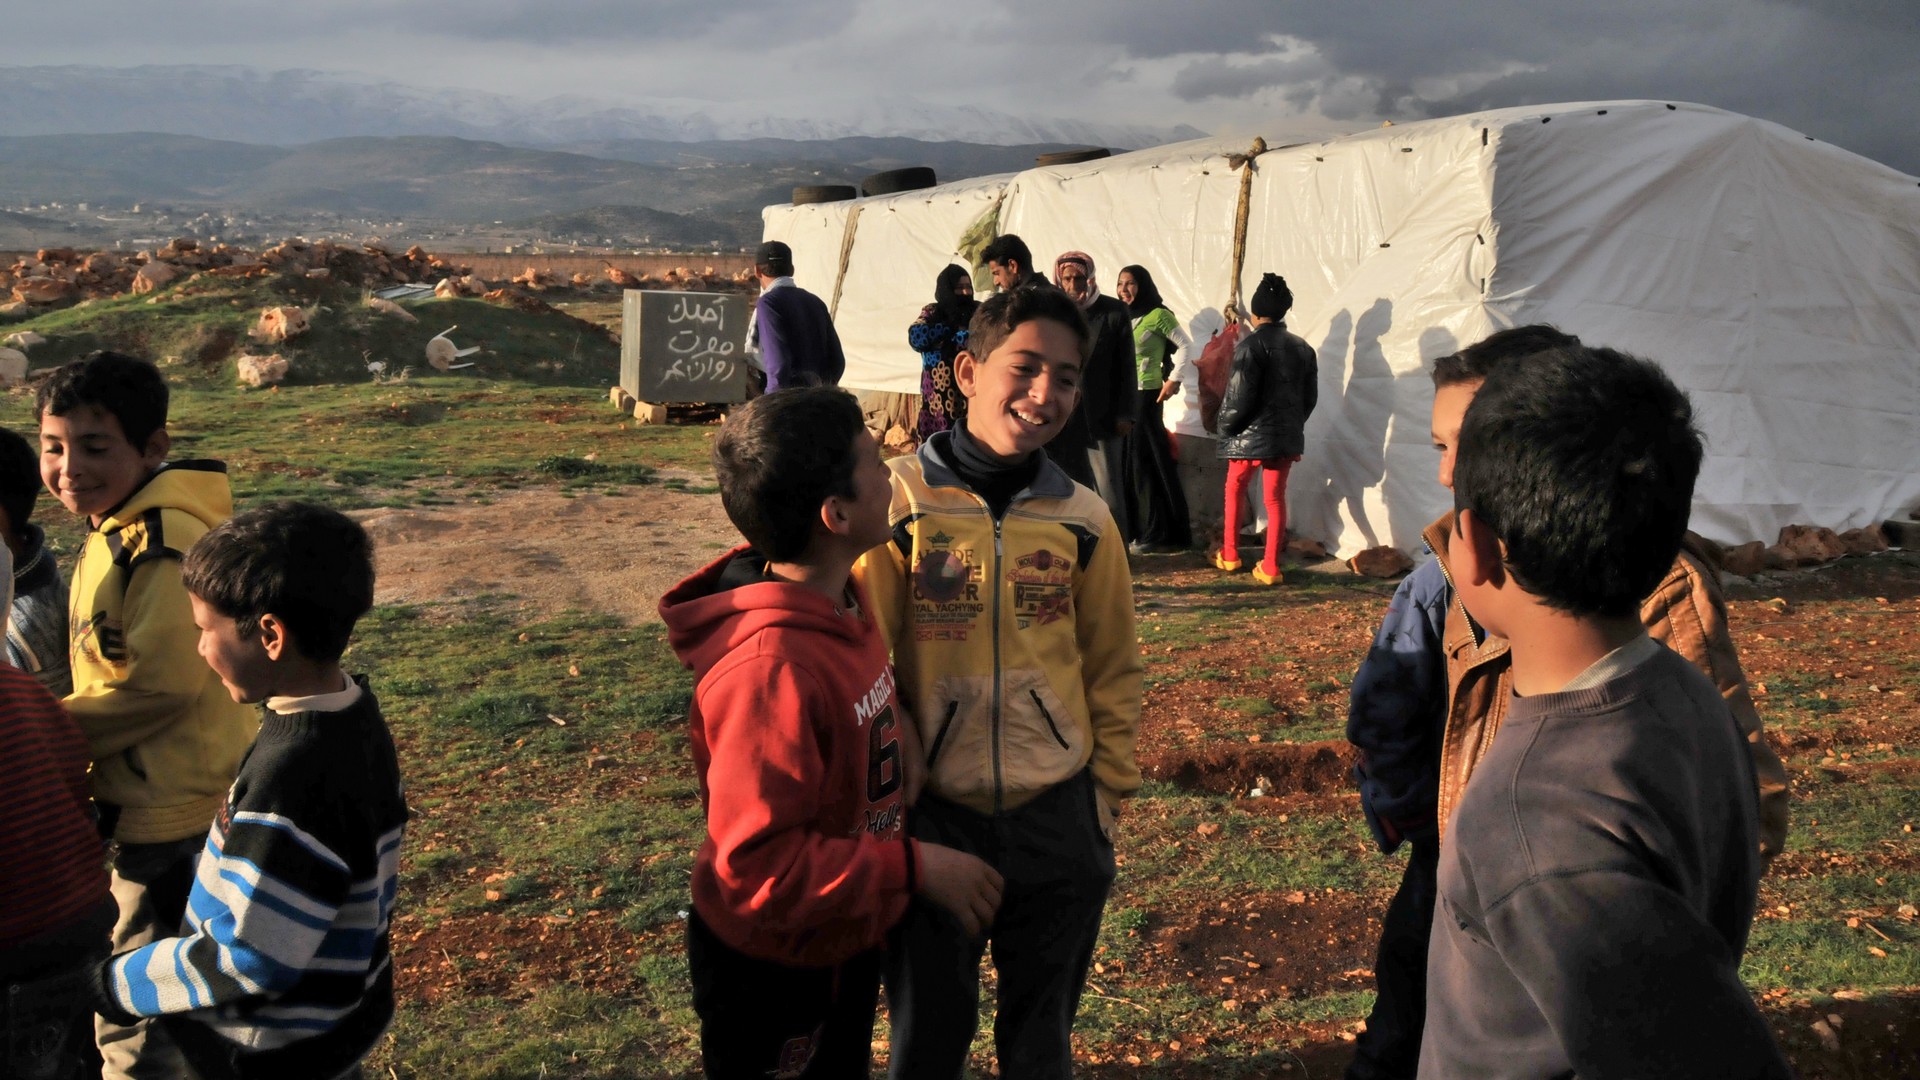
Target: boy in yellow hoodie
{"x": 1006, "y": 595}
{"x": 164, "y": 735}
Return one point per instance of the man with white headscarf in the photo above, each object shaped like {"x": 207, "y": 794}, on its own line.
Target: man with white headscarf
{"x": 1107, "y": 405}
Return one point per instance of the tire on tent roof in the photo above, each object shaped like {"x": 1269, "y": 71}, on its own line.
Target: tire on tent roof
{"x": 1072, "y": 157}
{"x": 897, "y": 180}
{"x": 820, "y": 193}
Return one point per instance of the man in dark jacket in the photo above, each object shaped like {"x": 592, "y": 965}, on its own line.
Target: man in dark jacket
{"x": 1107, "y": 398}
{"x": 792, "y": 329}
{"x": 1273, "y": 387}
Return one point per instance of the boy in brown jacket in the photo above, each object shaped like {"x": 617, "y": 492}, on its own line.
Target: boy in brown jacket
{"x": 1433, "y": 690}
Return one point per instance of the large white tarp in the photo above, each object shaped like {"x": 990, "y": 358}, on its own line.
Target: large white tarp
{"x": 1776, "y": 278}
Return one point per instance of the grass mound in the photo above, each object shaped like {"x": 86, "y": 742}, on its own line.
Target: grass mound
{"x": 197, "y": 329}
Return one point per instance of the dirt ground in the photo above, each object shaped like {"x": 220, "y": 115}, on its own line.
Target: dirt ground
{"x": 616, "y": 553}
{"x": 549, "y": 551}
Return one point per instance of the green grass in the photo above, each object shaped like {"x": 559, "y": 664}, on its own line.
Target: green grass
{"x": 424, "y": 441}
{"x": 195, "y": 329}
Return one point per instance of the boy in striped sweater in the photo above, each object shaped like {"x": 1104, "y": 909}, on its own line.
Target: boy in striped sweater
{"x": 282, "y": 968}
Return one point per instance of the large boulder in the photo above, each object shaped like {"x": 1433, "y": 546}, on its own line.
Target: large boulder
{"x": 1811, "y": 543}
{"x": 1864, "y": 541}
{"x": 261, "y": 370}
{"x": 1745, "y": 560}
{"x": 154, "y": 275}
{"x": 1380, "y": 562}
{"x": 43, "y": 290}
{"x": 277, "y": 324}
{"x": 13, "y": 367}
{"x": 388, "y": 307}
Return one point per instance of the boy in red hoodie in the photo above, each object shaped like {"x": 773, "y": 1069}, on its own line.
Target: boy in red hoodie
{"x": 806, "y": 761}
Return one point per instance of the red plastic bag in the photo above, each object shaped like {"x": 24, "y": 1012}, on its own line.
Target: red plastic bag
{"x": 1215, "y": 364}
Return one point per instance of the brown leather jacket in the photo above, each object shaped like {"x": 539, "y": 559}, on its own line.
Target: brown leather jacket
{"x": 1685, "y": 611}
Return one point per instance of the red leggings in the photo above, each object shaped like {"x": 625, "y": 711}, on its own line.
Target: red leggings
{"x": 1273, "y": 492}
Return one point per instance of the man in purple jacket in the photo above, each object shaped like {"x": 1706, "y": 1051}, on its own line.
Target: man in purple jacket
{"x": 792, "y": 330}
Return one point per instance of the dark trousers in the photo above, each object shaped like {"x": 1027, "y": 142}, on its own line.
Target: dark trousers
{"x": 759, "y": 1019}
{"x": 1058, "y": 866}
{"x": 1390, "y": 1047}
{"x": 46, "y": 1014}
{"x": 1153, "y": 479}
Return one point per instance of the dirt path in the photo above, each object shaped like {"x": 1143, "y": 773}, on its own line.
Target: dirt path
{"x": 550, "y": 552}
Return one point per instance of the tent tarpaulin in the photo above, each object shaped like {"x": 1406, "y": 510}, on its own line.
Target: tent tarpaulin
{"x": 1776, "y": 278}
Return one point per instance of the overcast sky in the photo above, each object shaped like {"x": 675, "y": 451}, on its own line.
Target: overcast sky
{"x": 1845, "y": 71}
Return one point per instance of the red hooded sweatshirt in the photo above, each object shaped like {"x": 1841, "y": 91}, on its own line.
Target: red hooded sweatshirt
{"x": 795, "y": 736}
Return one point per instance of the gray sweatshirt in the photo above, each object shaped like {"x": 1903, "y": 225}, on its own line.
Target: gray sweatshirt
{"x": 1596, "y": 889}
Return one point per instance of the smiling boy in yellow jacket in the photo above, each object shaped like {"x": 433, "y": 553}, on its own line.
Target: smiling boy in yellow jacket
{"x": 164, "y": 735}
{"x": 1008, "y": 600}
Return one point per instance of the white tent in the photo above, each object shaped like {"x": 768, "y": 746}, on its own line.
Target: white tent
{"x": 1776, "y": 278}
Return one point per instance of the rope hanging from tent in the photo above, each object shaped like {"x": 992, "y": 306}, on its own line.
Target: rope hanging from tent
{"x": 846, "y": 256}
{"x": 1243, "y": 162}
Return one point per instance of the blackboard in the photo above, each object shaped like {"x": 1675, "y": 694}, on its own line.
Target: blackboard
{"x": 684, "y": 346}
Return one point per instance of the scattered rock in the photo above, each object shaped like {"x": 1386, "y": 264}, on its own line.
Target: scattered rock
{"x": 621, "y": 399}
{"x": 1302, "y": 548}
{"x": 519, "y": 301}
{"x": 1828, "y": 1037}
{"x": 152, "y": 276}
{"x": 1745, "y": 560}
{"x": 13, "y": 367}
{"x": 261, "y": 370}
{"x": 623, "y": 279}
{"x": 1380, "y": 562}
{"x": 277, "y": 324}
{"x": 42, "y": 290}
{"x": 900, "y": 440}
{"x": 1811, "y": 543}
{"x": 388, "y": 307}
{"x": 1864, "y": 541}
{"x": 24, "y": 339}
{"x": 1779, "y": 557}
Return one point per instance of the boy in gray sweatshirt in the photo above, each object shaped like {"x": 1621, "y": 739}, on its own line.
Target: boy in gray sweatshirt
{"x": 1595, "y": 898}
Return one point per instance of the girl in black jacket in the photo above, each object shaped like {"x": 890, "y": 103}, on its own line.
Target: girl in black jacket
{"x": 1274, "y": 384}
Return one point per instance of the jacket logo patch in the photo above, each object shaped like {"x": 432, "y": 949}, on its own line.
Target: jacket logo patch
{"x": 1042, "y": 588}
{"x": 100, "y": 637}
{"x": 944, "y": 576}
{"x": 946, "y": 592}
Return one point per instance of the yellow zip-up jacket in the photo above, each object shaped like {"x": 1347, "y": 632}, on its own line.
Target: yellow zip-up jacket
{"x": 1013, "y": 640}
{"x": 164, "y": 734}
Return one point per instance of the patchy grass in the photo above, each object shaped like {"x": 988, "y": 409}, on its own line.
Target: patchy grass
{"x": 439, "y": 438}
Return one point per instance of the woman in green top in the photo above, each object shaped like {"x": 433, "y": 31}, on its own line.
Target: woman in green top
{"x": 1160, "y": 508}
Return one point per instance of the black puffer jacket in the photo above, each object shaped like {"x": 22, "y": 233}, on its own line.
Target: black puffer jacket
{"x": 1271, "y": 391}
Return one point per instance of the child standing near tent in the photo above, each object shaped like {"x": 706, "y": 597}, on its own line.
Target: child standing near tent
{"x": 1434, "y": 676}
{"x": 1601, "y": 870}
{"x": 1006, "y": 594}
{"x": 1263, "y": 417}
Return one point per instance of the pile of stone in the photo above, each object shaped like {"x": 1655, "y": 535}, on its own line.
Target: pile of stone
{"x": 1802, "y": 545}
{"x": 58, "y": 275}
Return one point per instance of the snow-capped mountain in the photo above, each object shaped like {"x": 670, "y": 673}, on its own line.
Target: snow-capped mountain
{"x": 296, "y": 106}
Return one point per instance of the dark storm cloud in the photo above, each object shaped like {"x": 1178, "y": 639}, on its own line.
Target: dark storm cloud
{"x": 604, "y": 22}
{"x": 1839, "y": 70}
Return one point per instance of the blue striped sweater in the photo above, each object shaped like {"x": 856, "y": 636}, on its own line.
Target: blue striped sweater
{"x": 283, "y": 968}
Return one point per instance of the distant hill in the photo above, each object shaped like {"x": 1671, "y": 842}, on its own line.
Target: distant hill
{"x": 631, "y": 191}
{"x": 290, "y": 107}
{"x": 861, "y": 154}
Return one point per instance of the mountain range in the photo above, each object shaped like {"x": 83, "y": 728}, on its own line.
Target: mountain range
{"x": 290, "y": 107}
{"x": 236, "y": 151}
